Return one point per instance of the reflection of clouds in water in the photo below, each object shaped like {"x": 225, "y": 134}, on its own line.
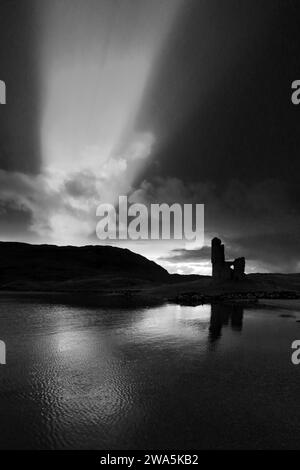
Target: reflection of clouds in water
{"x": 173, "y": 321}
{"x": 84, "y": 376}
{"x": 2, "y": 352}
{"x": 184, "y": 323}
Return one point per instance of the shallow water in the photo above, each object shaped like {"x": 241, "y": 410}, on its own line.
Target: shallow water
{"x": 168, "y": 377}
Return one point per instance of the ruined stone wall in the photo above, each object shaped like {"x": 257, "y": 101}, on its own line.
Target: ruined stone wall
{"x": 221, "y": 269}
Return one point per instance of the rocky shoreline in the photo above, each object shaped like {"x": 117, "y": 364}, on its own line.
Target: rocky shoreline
{"x": 194, "y": 298}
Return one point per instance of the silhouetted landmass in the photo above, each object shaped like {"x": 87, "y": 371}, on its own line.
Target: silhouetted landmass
{"x": 50, "y": 267}
{"x": 25, "y": 264}
{"x": 112, "y": 271}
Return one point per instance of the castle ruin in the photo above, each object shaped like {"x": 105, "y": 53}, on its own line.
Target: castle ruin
{"x": 225, "y": 270}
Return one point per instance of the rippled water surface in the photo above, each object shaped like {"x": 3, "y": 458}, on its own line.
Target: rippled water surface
{"x": 165, "y": 377}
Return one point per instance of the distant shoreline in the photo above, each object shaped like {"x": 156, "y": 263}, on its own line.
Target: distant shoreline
{"x": 186, "y": 294}
{"x": 105, "y": 274}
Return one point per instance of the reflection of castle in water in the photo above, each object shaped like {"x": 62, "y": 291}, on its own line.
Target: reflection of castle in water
{"x": 224, "y": 315}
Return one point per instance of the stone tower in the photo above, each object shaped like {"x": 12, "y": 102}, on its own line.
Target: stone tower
{"x": 221, "y": 269}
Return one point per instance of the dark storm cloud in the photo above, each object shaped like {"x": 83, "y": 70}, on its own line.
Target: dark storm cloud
{"x": 225, "y": 78}
{"x": 19, "y": 118}
{"x": 238, "y": 208}
{"x": 276, "y": 252}
{"x": 208, "y": 47}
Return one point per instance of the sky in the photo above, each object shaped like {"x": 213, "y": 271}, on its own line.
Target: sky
{"x": 185, "y": 101}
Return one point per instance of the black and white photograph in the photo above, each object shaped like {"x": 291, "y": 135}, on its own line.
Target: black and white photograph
{"x": 149, "y": 229}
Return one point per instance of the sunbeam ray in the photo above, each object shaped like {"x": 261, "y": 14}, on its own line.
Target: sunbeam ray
{"x": 96, "y": 59}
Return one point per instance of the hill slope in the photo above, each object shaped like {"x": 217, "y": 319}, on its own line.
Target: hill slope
{"x": 25, "y": 266}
